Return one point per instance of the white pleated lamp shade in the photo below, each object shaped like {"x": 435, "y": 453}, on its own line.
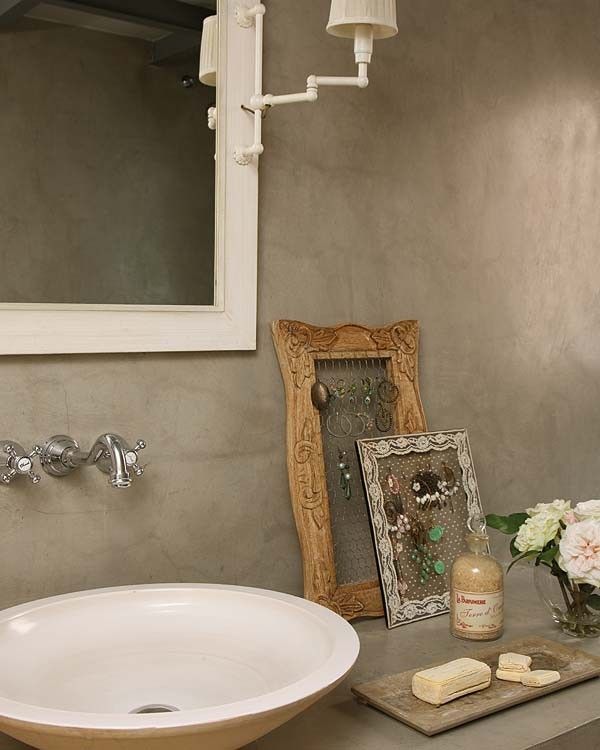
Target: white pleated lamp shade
{"x": 209, "y": 52}
{"x": 346, "y": 15}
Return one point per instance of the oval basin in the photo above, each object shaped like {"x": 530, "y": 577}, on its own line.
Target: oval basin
{"x": 165, "y": 666}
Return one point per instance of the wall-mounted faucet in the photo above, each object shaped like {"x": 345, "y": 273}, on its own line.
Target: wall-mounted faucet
{"x": 16, "y": 462}
{"x": 61, "y": 455}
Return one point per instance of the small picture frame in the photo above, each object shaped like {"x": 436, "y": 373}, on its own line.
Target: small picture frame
{"x": 421, "y": 490}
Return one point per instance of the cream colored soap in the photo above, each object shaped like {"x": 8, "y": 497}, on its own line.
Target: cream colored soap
{"x": 443, "y": 684}
{"x": 509, "y": 675}
{"x": 514, "y": 662}
{"x": 540, "y": 678}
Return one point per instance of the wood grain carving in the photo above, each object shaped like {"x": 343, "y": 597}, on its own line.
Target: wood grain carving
{"x": 298, "y": 346}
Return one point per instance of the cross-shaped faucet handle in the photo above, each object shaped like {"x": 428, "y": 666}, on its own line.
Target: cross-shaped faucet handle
{"x": 17, "y": 462}
{"x": 132, "y": 457}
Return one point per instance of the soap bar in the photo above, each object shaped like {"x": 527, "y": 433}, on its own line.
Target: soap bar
{"x": 540, "y": 678}
{"x": 509, "y": 675}
{"x": 443, "y": 684}
{"x": 514, "y": 662}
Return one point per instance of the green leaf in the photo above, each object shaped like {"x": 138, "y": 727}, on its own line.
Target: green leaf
{"x": 514, "y": 550}
{"x": 524, "y": 556}
{"x": 594, "y": 601}
{"x": 547, "y": 555}
{"x": 506, "y": 524}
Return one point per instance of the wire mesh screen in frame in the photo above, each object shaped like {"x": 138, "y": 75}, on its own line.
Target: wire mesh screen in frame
{"x": 342, "y": 384}
{"x": 359, "y": 395}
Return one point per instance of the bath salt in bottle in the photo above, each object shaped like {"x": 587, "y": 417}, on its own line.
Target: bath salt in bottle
{"x": 477, "y": 589}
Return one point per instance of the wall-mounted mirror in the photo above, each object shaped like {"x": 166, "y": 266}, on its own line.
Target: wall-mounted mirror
{"x": 117, "y": 202}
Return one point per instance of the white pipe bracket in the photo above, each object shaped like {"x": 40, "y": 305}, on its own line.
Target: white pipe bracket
{"x": 246, "y": 17}
{"x": 212, "y": 118}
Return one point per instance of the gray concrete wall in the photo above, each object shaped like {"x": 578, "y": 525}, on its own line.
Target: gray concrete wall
{"x": 106, "y": 172}
{"x": 462, "y": 189}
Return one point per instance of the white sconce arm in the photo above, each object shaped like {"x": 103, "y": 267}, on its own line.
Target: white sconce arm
{"x": 313, "y": 83}
{"x": 363, "y": 50}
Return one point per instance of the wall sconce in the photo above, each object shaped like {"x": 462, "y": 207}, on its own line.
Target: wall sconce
{"x": 208, "y": 61}
{"x": 361, "y": 20}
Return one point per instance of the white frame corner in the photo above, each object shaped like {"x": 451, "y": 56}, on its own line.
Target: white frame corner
{"x": 229, "y": 324}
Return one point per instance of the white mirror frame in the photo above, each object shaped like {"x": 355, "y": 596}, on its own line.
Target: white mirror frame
{"x": 228, "y": 325}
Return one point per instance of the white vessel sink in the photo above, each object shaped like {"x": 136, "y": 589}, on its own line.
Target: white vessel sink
{"x": 216, "y": 667}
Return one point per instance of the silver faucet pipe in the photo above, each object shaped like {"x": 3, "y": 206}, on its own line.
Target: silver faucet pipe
{"x": 60, "y": 455}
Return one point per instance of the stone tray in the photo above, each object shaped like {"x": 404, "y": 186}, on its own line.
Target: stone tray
{"x": 393, "y": 694}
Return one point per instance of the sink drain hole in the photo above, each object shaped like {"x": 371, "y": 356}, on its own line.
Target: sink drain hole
{"x": 154, "y": 708}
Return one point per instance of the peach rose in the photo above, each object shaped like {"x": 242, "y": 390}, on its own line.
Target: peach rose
{"x": 587, "y": 510}
{"x": 579, "y": 552}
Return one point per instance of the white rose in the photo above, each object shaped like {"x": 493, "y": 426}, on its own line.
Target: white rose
{"x": 579, "y": 553}
{"x": 536, "y": 532}
{"x": 587, "y": 510}
{"x": 556, "y": 509}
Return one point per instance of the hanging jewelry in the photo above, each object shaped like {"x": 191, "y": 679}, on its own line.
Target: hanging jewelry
{"x": 387, "y": 391}
{"x": 393, "y": 482}
{"x": 397, "y": 525}
{"x": 367, "y": 390}
{"x": 345, "y": 476}
{"x": 436, "y": 533}
{"x": 358, "y": 419}
{"x": 363, "y": 420}
{"x": 422, "y": 556}
{"x": 450, "y": 485}
{"x": 427, "y": 486}
{"x": 383, "y": 418}
{"x": 338, "y": 424}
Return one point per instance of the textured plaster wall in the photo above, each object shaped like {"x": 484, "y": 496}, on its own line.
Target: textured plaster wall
{"x": 462, "y": 189}
{"x": 106, "y": 172}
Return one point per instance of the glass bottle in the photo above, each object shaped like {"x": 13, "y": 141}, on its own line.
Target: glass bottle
{"x": 477, "y": 589}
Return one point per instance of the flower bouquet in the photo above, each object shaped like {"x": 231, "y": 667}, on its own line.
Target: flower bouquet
{"x": 564, "y": 542}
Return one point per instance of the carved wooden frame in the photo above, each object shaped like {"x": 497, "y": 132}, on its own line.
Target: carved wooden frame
{"x": 298, "y": 345}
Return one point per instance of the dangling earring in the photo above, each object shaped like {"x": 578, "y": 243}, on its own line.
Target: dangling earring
{"x": 422, "y": 557}
{"x": 338, "y": 423}
{"x": 345, "y": 475}
{"x": 383, "y": 418}
{"x": 387, "y": 391}
{"x": 449, "y": 485}
{"x": 367, "y": 388}
{"x": 393, "y": 482}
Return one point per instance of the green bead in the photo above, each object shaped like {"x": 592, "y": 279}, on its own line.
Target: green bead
{"x": 440, "y": 567}
{"x": 436, "y": 533}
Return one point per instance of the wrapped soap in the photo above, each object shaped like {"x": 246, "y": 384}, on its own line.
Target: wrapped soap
{"x": 447, "y": 682}
{"x": 540, "y": 678}
{"x": 514, "y": 662}
{"x": 509, "y": 675}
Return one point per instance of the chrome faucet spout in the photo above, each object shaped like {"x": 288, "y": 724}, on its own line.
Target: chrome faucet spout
{"x": 109, "y": 454}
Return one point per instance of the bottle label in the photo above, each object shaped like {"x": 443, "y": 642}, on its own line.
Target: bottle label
{"x": 478, "y": 612}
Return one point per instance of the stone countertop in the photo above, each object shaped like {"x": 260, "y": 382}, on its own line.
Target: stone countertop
{"x": 566, "y": 720}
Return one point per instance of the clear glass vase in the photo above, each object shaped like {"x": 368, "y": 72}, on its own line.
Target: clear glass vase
{"x": 568, "y": 603}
